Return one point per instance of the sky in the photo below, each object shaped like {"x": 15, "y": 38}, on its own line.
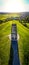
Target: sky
{"x": 14, "y": 5}
{"x": 26, "y": 1}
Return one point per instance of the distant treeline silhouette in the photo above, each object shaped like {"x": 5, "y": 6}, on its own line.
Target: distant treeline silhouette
{"x": 21, "y": 20}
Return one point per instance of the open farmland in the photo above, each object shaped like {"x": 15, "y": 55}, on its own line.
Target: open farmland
{"x": 5, "y": 42}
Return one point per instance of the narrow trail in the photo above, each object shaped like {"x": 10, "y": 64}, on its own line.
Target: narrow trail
{"x": 14, "y": 55}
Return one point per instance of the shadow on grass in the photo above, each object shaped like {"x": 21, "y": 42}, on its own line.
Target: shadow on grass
{"x": 11, "y": 56}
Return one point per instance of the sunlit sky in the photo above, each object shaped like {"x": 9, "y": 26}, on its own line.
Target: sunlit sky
{"x": 14, "y": 5}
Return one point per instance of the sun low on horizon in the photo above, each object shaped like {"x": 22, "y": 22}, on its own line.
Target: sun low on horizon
{"x": 14, "y": 5}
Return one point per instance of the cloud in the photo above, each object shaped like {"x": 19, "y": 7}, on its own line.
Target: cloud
{"x": 14, "y": 6}
{"x": 26, "y": 7}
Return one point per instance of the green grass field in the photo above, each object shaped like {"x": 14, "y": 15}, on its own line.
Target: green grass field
{"x": 5, "y": 43}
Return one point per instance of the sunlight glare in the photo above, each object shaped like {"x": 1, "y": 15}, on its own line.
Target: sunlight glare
{"x": 14, "y": 6}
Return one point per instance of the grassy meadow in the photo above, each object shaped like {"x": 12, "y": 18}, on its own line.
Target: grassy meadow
{"x": 5, "y": 42}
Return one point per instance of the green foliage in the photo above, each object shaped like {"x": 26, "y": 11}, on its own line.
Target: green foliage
{"x": 5, "y": 43}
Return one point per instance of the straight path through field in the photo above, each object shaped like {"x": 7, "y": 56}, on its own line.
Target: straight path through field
{"x": 14, "y": 56}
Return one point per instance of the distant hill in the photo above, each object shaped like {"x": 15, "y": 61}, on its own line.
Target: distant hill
{"x": 23, "y": 14}
{"x": 10, "y": 16}
{"x": 20, "y": 13}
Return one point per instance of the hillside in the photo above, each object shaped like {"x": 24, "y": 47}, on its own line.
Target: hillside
{"x": 5, "y": 42}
